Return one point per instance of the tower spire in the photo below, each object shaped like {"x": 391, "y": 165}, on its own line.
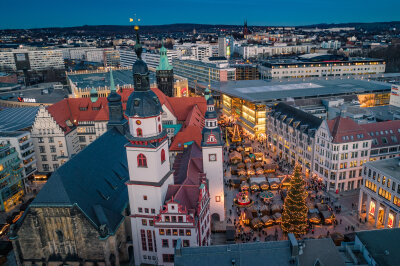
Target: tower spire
{"x": 112, "y": 85}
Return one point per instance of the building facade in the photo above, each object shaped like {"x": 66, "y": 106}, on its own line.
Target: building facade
{"x": 198, "y": 71}
{"x": 22, "y": 142}
{"x": 379, "y": 196}
{"x": 341, "y": 149}
{"x": 11, "y": 177}
{"x": 291, "y": 135}
{"x": 317, "y": 65}
{"x": 31, "y": 59}
{"x": 54, "y": 141}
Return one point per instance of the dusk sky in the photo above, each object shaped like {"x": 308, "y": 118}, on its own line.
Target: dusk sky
{"x": 46, "y": 13}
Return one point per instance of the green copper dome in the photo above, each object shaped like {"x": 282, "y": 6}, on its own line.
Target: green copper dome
{"x": 164, "y": 64}
{"x": 93, "y": 95}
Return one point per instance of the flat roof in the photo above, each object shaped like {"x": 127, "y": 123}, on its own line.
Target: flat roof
{"x": 18, "y": 118}
{"x": 102, "y": 79}
{"x": 276, "y": 90}
{"x": 390, "y": 167}
{"x": 7, "y": 134}
{"x": 383, "y": 245}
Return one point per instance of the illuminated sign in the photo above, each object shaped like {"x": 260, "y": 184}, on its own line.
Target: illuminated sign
{"x": 26, "y": 100}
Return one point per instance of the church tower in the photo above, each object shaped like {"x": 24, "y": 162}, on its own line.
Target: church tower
{"x": 213, "y": 159}
{"x": 165, "y": 74}
{"x": 148, "y": 161}
{"x": 116, "y": 118}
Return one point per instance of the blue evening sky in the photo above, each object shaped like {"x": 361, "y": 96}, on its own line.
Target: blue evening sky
{"x": 58, "y": 13}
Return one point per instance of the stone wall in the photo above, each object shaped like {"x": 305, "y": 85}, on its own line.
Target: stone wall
{"x": 55, "y": 235}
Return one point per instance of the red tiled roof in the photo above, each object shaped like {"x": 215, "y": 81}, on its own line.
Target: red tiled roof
{"x": 384, "y": 133}
{"x": 187, "y": 134}
{"x": 344, "y": 129}
{"x": 182, "y": 106}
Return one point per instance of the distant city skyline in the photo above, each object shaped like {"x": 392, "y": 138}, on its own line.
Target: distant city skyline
{"x": 45, "y": 13}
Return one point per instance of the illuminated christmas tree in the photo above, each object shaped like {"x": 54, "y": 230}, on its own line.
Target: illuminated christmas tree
{"x": 294, "y": 216}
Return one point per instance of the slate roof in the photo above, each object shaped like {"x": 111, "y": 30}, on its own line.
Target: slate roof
{"x": 379, "y": 241}
{"x": 384, "y": 133}
{"x": 296, "y": 118}
{"x": 17, "y": 118}
{"x": 274, "y": 253}
{"x": 344, "y": 129}
{"x": 143, "y": 104}
{"x": 93, "y": 180}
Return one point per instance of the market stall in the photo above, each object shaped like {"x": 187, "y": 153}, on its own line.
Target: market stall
{"x": 264, "y": 185}
{"x": 256, "y": 223}
{"x": 267, "y": 220}
{"x": 277, "y": 218}
{"x": 235, "y": 157}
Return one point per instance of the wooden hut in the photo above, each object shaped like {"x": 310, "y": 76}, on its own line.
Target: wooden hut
{"x": 277, "y": 218}
{"x": 264, "y": 185}
{"x": 265, "y": 210}
{"x": 256, "y": 223}
{"x": 235, "y": 157}
{"x": 267, "y": 220}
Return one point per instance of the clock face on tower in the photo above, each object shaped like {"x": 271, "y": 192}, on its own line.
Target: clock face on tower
{"x": 212, "y": 157}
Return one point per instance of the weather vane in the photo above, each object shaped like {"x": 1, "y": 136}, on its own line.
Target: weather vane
{"x": 136, "y": 20}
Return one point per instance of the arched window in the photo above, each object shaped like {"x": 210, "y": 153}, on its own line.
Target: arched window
{"x": 159, "y": 128}
{"x": 141, "y": 160}
{"x": 139, "y": 132}
{"x": 162, "y": 156}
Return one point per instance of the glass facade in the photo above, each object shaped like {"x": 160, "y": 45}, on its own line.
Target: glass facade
{"x": 11, "y": 175}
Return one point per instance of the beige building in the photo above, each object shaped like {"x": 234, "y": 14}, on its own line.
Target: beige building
{"x": 379, "y": 198}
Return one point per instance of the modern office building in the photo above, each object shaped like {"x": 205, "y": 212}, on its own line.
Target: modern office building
{"x": 22, "y": 143}
{"x": 259, "y": 51}
{"x": 194, "y": 51}
{"x": 379, "y": 197}
{"x": 320, "y": 65}
{"x": 111, "y": 58}
{"x": 246, "y": 71}
{"x": 291, "y": 135}
{"x": 31, "y": 59}
{"x": 11, "y": 177}
{"x": 341, "y": 149}
{"x": 128, "y": 57}
{"x": 247, "y": 101}
{"x": 199, "y": 71}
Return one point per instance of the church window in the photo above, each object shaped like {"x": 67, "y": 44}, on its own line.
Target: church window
{"x": 218, "y": 198}
{"x": 139, "y": 132}
{"x": 188, "y": 233}
{"x": 162, "y": 156}
{"x": 144, "y": 222}
{"x": 141, "y": 160}
{"x": 140, "y": 209}
{"x": 146, "y": 210}
{"x": 144, "y": 197}
{"x": 159, "y": 128}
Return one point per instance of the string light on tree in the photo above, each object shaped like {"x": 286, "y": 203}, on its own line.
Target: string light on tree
{"x": 294, "y": 216}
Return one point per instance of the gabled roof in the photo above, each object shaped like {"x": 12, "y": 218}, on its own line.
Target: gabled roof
{"x": 344, "y": 129}
{"x": 385, "y": 133}
{"x": 93, "y": 180}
